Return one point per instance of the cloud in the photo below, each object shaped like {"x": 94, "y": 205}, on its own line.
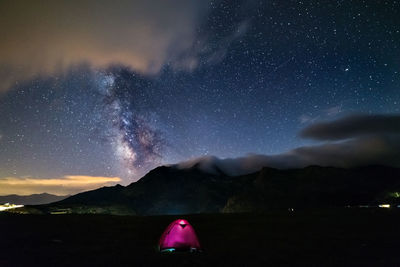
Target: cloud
{"x": 353, "y": 126}
{"x": 353, "y": 141}
{"x": 352, "y": 153}
{"x": 45, "y": 36}
{"x": 303, "y": 119}
{"x": 230, "y": 166}
{"x": 326, "y": 113}
{"x": 334, "y": 111}
{"x": 218, "y": 52}
{"x": 69, "y": 184}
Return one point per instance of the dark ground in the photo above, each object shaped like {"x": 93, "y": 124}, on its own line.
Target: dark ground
{"x": 342, "y": 237}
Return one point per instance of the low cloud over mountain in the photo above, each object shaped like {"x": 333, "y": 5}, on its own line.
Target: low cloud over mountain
{"x": 350, "y": 141}
{"x": 353, "y": 127}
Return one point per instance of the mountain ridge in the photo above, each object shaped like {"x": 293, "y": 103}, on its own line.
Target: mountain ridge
{"x": 171, "y": 190}
{"x": 34, "y": 199}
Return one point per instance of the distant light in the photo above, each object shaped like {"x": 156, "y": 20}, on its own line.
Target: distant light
{"x": 58, "y": 212}
{"x": 9, "y": 206}
{"x": 182, "y": 222}
{"x": 384, "y": 206}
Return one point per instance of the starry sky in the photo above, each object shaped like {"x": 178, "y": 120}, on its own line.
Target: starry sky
{"x": 93, "y": 93}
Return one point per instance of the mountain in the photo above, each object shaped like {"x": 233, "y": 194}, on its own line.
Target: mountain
{"x": 35, "y": 199}
{"x": 173, "y": 190}
{"x": 317, "y": 187}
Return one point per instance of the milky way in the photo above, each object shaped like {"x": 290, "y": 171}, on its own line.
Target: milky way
{"x": 133, "y": 132}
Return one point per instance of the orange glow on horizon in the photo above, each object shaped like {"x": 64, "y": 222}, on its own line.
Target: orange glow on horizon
{"x": 68, "y": 184}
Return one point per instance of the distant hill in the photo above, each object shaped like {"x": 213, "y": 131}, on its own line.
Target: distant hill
{"x": 172, "y": 190}
{"x": 35, "y": 199}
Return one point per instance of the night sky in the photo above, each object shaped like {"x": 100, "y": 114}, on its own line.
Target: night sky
{"x": 93, "y": 92}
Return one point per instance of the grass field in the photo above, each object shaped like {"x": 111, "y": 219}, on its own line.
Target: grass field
{"x": 342, "y": 237}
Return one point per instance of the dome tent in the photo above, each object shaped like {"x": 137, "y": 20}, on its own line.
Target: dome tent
{"x": 179, "y": 236}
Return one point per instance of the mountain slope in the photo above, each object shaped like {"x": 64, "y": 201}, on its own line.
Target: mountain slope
{"x": 35, "y": 199}
{"x": 164, "y": 190}
{"x": 170, "y": 190}
{"x": 317, "y": 187}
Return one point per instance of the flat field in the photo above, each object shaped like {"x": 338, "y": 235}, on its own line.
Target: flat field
{"x": 331, "y": 237}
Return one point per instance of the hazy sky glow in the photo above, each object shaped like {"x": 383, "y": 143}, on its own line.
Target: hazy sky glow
{"x": 108, "y": 89}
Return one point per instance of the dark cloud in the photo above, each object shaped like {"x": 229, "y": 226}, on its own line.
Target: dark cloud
{"x": 353, "y": 126}
{"x": 358, "y": 141}
{"x": 230, "y": 166}
{"x": 371, "y": 150}
{"x": 45, "y": 37}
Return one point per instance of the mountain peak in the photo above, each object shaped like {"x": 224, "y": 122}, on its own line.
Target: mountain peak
{"x": 227, "y": 166}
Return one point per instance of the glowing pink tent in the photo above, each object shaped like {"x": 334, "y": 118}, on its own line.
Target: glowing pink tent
{"x": 179, "y": 236}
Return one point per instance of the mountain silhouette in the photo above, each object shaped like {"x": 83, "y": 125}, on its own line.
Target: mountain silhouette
{"x": 35, "y": 199}
{"x": 173, "y": 190}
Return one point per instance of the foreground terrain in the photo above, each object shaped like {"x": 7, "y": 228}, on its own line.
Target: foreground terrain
{"x": 331, "y": 237}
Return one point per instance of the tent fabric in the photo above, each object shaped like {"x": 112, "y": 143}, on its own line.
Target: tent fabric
{"x": 179, "y": 236}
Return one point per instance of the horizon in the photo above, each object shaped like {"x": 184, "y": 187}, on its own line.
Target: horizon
{"x": 206, "y": 167}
